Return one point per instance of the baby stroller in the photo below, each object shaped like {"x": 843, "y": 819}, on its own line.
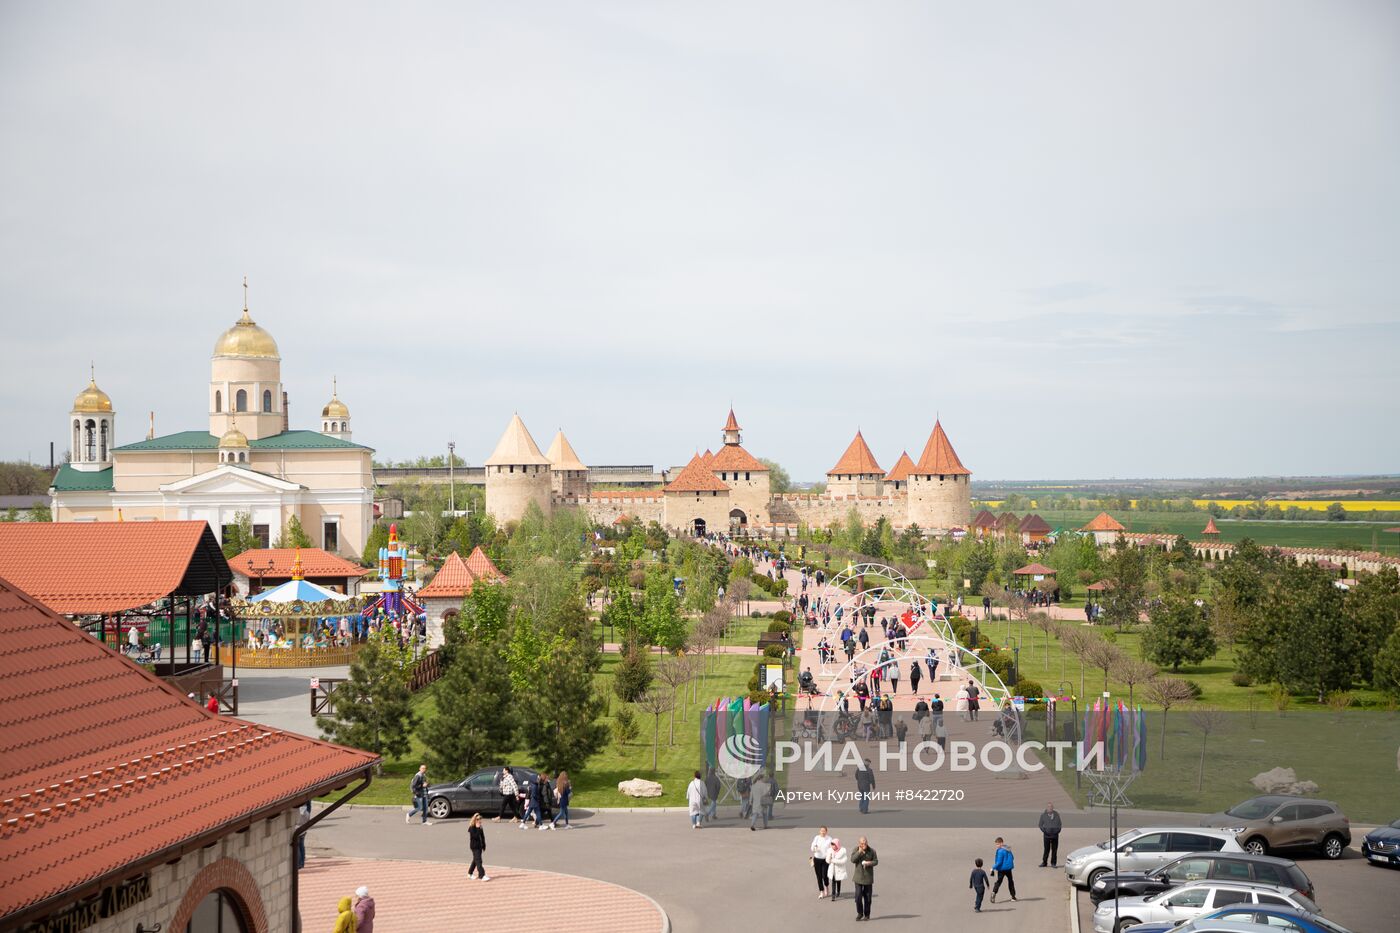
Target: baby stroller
{"x": 807, "y": 684}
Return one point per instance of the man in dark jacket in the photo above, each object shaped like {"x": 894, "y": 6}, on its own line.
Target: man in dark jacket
{"x": 863, "y": 862}
{"x": 865, "y": 784}
{"x": 1050, "y": 827}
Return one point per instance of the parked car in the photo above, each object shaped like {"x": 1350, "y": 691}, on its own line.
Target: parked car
{"x": 1202, "y": 866}
{"x": 479, "y": 792}
{"x": 1381, "y": 846}
{"x": 1144, "y": 850}
{"x": 1256, "y": 918}
{"x": 1282, "y": 822}
{"x": 1191, "y": 901}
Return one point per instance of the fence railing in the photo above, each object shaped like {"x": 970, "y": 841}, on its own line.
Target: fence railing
{"x": 226, "y": 690}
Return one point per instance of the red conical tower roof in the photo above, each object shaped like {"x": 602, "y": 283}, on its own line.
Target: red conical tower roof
{"x": 856, "y": 460}
{"x": 733, "y": 423}
{"x": 939, "y": 457}
{"x": 1210, "y": 527}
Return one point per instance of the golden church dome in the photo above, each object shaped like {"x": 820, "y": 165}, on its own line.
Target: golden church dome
{"x": 335, "y": 408}
{"x": 92, "y": 399}
{"x": 233, "y": 438}
{"x": 246, "y": 339}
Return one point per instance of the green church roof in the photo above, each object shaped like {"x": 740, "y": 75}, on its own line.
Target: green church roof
{"x": 203, "y": 440}
{"x": 68, "y": 479}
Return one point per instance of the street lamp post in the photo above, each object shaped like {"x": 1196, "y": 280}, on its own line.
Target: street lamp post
{"x": 451, "y": 478}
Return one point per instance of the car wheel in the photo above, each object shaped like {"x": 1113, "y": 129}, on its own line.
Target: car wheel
{"x": 1257, "y": 846}
{"x": 1332, "y": 846}
{"x": 1095, "y": 875}
{"x": 439, "y": 808}
{"x": 1124, "y": 923}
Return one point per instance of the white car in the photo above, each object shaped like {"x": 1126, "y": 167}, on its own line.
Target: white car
{"x": 1189, "y": 901}
{"x": 1145, "y": 850}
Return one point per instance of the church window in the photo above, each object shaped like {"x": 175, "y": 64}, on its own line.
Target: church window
{"x": 218, "y": 400}
{"x": 240, "y": 401}
{"x": 90, "y": 440}
{"x": 330, "y": 535}
{"x": 77, "y": 438}
{"x": 103, "y": 445}
{"x": 267, "y": 400}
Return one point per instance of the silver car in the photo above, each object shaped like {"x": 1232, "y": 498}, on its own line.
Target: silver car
{"x": 1189, "y": 901}
{"x": 1145, "y": 850}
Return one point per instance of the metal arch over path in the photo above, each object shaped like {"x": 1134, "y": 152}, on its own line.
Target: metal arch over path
{"x": 891, "y": 586}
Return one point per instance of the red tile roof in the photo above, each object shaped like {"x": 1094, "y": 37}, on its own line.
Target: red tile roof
{"x": 857, "y": 460}
{"x": 80, "y": 568}
{"x": 1034, "y": 525}
{"x": 1103, "y": 522}
{"x": 458, "y": 576}
{"x": 733, "y": 423}
{"x": 1210, "y": 528}
{"x": 696, "y": 477}
{"x": 1007, "y": 521}
{"x": 733, "y": 457}
{"x": 902, "y": 468}
{"x": 939, "y": 458}
{"x": 1033, "y": 569}
{"x": 277, "y": 562}
{"x": 103, "y": 766}
{"x": 984, "y": 519}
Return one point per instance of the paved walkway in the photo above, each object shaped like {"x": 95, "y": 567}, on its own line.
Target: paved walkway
{"x": 426, "y": 896}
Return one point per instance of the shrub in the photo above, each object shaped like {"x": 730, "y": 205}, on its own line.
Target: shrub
{"x": 632, "y": 676}
{"x": 624, "y": 726}
{"x": 1196, "y": 690}
{"x": 776, "y": 626}
{"x": 1241, "y": 679}
{"x": 755, "y": 614}
{"x": 1028, "y": 688}
{"x": 782, "y": 615}
{"x": 774, "y": 651}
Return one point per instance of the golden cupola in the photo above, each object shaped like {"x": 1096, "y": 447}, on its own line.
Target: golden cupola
{"x": 246, "y": 339}
{"x": 335, "y": 416}
{"x": 92, "y": 399}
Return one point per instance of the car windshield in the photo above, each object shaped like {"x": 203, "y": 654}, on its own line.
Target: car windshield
{"x": 1123, "y": 839}
{"x": 1255, "y": 809}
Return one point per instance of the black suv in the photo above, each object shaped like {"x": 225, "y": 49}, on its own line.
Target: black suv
{"x": 479, "y": 793}
{"x": 1200, "y": 866}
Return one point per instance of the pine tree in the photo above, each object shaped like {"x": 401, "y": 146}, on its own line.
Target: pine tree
{"x": 372, "y": 709}
{"x": 632, "y": 676}
{"x": 559, "y": 721}
{"x": 475, "y": 722}
{"x": 293, "y": 535}
{"x": 378, "y": 538}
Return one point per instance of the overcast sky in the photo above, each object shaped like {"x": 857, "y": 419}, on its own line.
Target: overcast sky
{"x": 1101, "y": 239}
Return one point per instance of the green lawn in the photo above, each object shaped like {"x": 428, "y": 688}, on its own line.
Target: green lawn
{"x": 1365, "y": 536}
{"x": 1350, "y": 756}
{"x": 596, "y": 785}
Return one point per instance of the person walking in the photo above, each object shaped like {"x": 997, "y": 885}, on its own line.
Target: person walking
{"x": 695, "y": 798}
{"x": 1050, "y": 826}
{"x": 978, "y": 884}
{"x": 505, "y": 782}
{"x": 821, "y": 851}
{"x": 865, "y": 785}
{"x": 1004, "y": 864}
{"x": 892, "y": 672}
{"x": 418, "y": 788}
{"x": 345, "y": 916}
{"x": 476, "y": 841}
{"x": 838, "y": 866}
{"x": 563, "y": 793}
{"x": 364, "y": 910}
{"x": 712, "y": 789}
{"x": 915, "y": 675}
{"x": 863, "y": 862}
{"x": 974, "y": 701}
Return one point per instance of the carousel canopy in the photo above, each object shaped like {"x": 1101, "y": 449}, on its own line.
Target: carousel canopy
{"x": 297, "y": 591}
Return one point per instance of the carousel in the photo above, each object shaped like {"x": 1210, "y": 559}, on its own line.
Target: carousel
{"x": 303, "y": 624}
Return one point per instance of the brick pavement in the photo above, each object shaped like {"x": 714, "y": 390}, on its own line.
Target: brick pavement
{"x": 424, "y": 897}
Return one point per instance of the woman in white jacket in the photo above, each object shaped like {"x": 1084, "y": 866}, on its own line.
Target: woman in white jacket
{"x": 838, "y": 863}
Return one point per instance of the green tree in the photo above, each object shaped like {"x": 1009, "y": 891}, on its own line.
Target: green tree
{"x": 778, "y": 478}
{"x": 238, "y": 536}
{"x": 1177, "y": 633}
{"x": 40, "y": 513}
{"x": 1336, "y": 512}
{"x": 1318, "y": 650}
{"x": 475, "y": 722}
{"x": 293, "y": 535}
{"x": 560, "y": 716}
{"x": 1385, "y": 673}
{"x": 662, "y": 623}
{"x": 372, "y": 709}
{"x": 1372, "y": 610}
{"x": 978, "y": 566}
{"x": 632, "y": 676}
{"x": 378, "y": 538}
{"x": 484, "y": 616}
{"x": 1127, "y": 568}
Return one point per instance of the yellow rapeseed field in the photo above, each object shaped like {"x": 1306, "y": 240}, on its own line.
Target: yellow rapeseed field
{"x": 1357, "y": 505}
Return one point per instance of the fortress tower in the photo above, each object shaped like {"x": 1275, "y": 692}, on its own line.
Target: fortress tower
{"x": 940, "y": 487}
{"x": 745, "y": 475}
{"x": 516, "y": 475}
{"x": 856, "y": 473}
{"x": 898, "y": 478}
{"x": 568, "y": 474}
